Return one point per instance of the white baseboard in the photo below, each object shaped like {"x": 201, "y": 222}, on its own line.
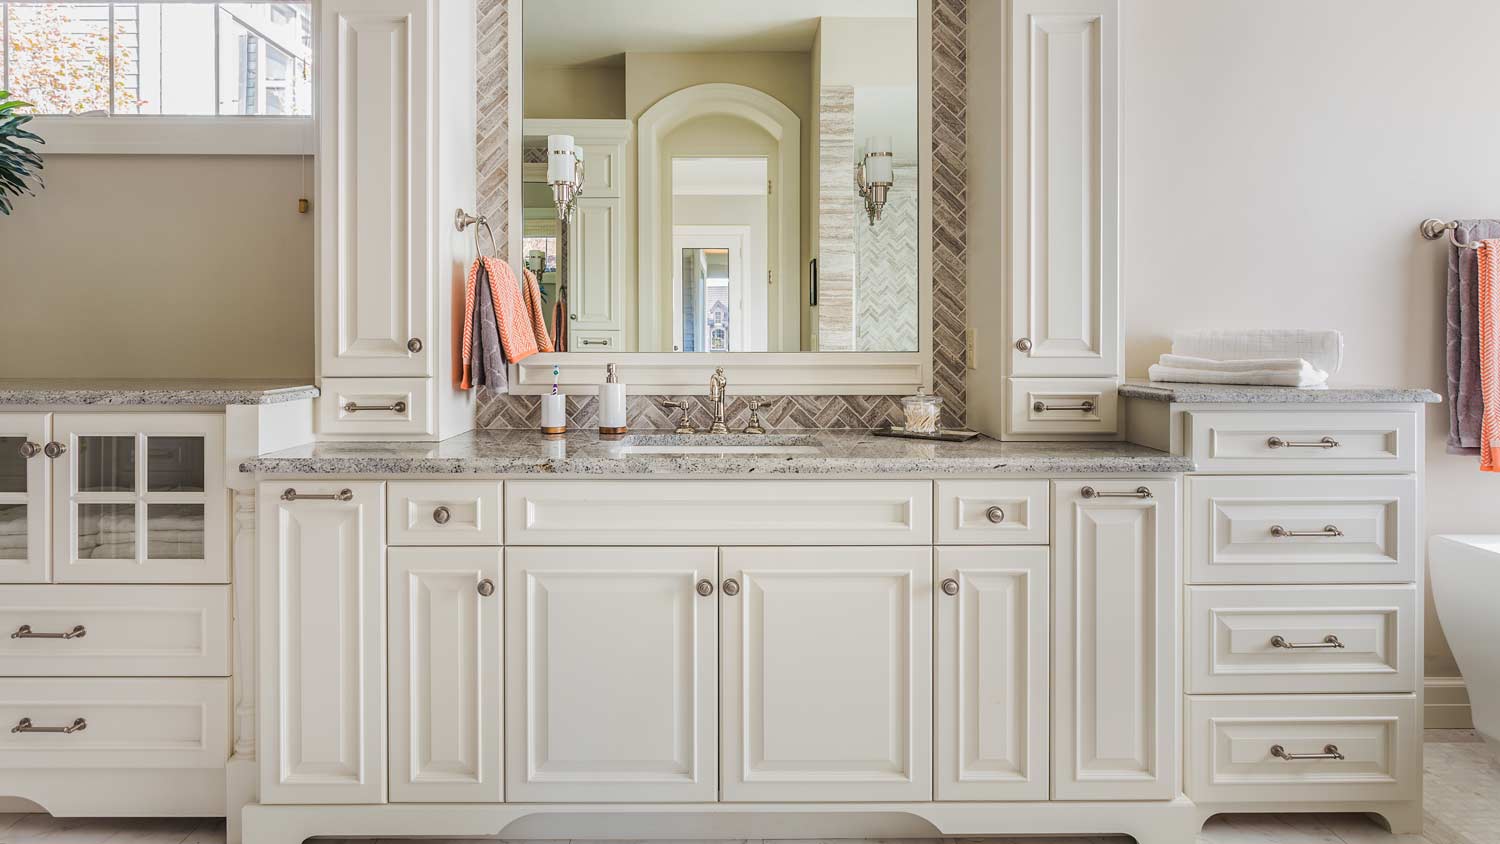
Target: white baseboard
{"x": 1447, "y": 704}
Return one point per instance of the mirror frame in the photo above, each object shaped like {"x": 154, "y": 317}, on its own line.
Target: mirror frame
{"x": 783, "y": 373}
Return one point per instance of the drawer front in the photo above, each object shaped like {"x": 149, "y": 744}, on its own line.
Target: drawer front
{"x": 114, "y": 631}
{"x": 1286, "y": 441}
{"x": 372, "y": 407}
{"x": 718, "y": 512}
{"x": 595, "y": 341}
{"x": 1064, "y": 406}
{"x": 993, "y": 512}
{"x": 1231, "y": 741}
{"x": 1299, "y": 639}
{"x": 1277, "y": 529}
{"x": 441, "y": 513}
{"x": 114, "y": 723}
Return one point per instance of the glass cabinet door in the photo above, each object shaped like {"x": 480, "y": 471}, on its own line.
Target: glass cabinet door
{"x": 23, "y": 498}
{"x": 140, "y": 498}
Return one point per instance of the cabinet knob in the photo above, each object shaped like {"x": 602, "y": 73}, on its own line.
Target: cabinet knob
{"x": 30, "y": 449}
{"x": 705, "y": 587}
{"x": 950, "y": 586}
{"x": 414, "y": 345}
{"x": 1023, "y": 345}
{"x": 486, "y": 587}
{"x": 55, "y": 450}
{"x": 441, "y": 515}
{"x": 995, "y": 515}
{"x": 731, "y": 587}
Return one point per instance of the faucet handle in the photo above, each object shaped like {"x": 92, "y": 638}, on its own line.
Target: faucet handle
{"x": 683, "y": 426}
{"x": 754, "y": 426}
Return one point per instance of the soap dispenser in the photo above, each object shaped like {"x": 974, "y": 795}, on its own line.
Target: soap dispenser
{"x": 611, "y": 404}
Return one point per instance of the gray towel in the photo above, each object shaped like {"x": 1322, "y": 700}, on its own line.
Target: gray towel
{"x": 1465, "y": 399}
{"x": 487, "y": 359}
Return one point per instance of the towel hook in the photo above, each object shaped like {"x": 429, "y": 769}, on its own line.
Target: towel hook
{"x": 462, "y": 220}
{"x": 1433, "y": 229}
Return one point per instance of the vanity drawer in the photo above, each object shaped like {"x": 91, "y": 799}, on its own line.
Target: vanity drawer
{"x": 1285, "y": 441}
{"x": 595, "y": 341}
{"x": 1240, "y": 639}
{"x": 1064, "y": 406}
{"x": 732, "y": 512}
{"x": 114, "y": 631}
{"x": 1230, "y": 741}
{"x": 375, "y": 407}
{"x": 1317, "y": 529}
{"x": 993, "y": 512}
{"x": 443, "y": 513}
{"x": 123, "y": 723}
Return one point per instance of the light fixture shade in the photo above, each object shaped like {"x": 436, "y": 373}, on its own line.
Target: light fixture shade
{"x": 878, "y": 160}
{"x": 560, "y": 161}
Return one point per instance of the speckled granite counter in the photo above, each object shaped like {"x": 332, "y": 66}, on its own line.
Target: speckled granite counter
{"x": 151, "y": 392}
{"x": 808, "y": 453}
{"x": 1234, "y": 393}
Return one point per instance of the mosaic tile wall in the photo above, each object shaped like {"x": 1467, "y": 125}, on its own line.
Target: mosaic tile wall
{"x": 949, "y": 253}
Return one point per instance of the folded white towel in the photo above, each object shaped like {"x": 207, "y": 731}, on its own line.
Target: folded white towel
{"x": 1323, "y": 348}
{"x": 1308, "y": 377}
{"x": 1267, "y": 365}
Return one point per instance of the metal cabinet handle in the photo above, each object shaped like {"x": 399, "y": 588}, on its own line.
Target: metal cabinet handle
{"x": 342, "y": 495}
{"x": 731, "y": 587}
{"x": 1278, "y": 442}
{"x": 441, "y": 515}
{"x": 1140, "y": 492}
{"x": 950, "y": 586}
{"x": 1023, "y": 345}
{"x": 705, "y": 587}
{"x": 1042, "y": 407}
{"x": 414, "y": 345}
{"x": 393, "y": 407}
{"x": 1328, "y": 532}
{"x": 55, "y": 450}
{"x": 1329, "y": 641}
{"x": 1330, "y": 751}
{"x": 593, "y": 342}
{"x": 486, "y": 587}
{"x": 25, "y": 632}
{"x": 30, "y": 449}
{"x": 994, "y": 514}
{"x": 25, "y": 726}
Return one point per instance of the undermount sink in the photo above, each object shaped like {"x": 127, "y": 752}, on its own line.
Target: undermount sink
{"x": 723, "y": 444}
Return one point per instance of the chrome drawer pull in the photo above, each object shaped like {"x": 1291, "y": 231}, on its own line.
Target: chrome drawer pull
{"x": 1330, "y": 751}
{"x": 1140, "y": 492}
{"x": 394, "y": 407}
{"x": 1278, "y": 442}
{"x": 1043, "y": 407}
{"x": 1329, "y": 641}
{"x": 950, "y": 586}
{"x": 24, "y": 726}
{"x": 594, "y": 342}
{"x": 341, "y": 495}
{"x": 441, "y": 515}
{"x": 24, "y": 632}
{"x": 705, "y": 587}
{"x": 1328, "y": 532}
{"x": 996, "y": 515}
{"x": 731, "y": 587}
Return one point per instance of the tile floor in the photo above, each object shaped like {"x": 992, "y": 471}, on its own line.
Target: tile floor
{"x": 1462, "y": 780}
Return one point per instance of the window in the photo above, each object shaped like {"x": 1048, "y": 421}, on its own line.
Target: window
{"x": 168, "y": 59}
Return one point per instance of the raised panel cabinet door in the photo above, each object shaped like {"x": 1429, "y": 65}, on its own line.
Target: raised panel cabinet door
{"x": 596, "y": 293}
{"x": 445, "y": 675}
{"x": 1115, "y": 609}
{"x": 374, "y": 227}
{"x": 1064, "y": 188}
{"x": 25, "y": 486}
{"x": 322, "y": 641}
{"x": 993, "y": 665}
{"x": 827, "y": 674}
{"x": 611, "y": 666}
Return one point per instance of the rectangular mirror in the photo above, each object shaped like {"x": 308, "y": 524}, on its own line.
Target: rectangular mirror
{"x": 742, "y": 177}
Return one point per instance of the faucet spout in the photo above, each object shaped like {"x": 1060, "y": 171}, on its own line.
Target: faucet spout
{"x": 718, "y": 393}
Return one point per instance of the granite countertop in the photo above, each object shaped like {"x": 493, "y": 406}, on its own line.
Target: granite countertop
{"x": 195, "y": 392}
{"x": 818, "y": 453}
{"x": 1169, "y": 391}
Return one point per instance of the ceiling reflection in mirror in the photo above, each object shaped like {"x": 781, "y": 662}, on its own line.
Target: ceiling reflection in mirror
{"x": 723, "y": 176}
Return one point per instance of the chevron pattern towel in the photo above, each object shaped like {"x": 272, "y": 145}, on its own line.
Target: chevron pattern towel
{"x": 1489, "y": 349}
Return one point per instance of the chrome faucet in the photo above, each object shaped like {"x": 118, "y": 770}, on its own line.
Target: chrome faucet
{"x": 718, "y": 394}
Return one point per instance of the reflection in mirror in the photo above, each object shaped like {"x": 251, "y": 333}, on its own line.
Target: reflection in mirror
{"x": 752, "y": 174}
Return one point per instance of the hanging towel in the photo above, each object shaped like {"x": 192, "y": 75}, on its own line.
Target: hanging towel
{"x": 1489, "y": 349}
{"x": 507, "y": 310}
{"x": 534, "y": 310}
{"x": 483, "y": 354}
{"x": 1324, "y": 349}
{"x": 1465, "y": 396}
{"x": 560, "y": 319}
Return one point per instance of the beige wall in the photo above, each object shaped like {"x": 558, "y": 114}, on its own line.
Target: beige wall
{"x": 1278, "y": 155}
{"x": 574, "y": 92}
{"x": 159, "y": 266}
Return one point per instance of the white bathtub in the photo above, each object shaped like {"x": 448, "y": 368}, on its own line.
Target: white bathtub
{"x": 1466, "y": 588}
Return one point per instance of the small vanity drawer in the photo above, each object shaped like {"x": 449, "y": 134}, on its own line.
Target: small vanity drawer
{"x": 1063, "y": 406}
{"x": 375, "y": 407}
{"x": 1300, "y": 639}
{"x": 114, "y": 631}
{"x": 1286, "y": 441}
{"x": 594, "y": 341}
{"x": 993, "y": 512}
{"x": 114, "y": 723}
{"x": 1275, "y": 529}
{"x": 1237, "y": 748}
{"x": 712, "y": 513}
{"x": 441, "y": 513}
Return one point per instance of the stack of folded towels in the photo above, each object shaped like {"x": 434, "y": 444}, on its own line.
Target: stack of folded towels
{"x": 1274, "y": 357}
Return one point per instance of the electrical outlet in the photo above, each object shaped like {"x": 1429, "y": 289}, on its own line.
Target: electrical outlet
{"x": 969, "y": 348}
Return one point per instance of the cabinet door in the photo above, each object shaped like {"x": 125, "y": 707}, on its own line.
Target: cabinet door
{"x": 610, "y": 671}
{"x": 445, "y": 675}
{"x": 25, "y": 553}
{"x": 992, "y": 673}
{"x": 596, "y": 267}
{"x": 1115, "y": 640}
{"x": 140, "y": 498}
{"x": 374, "y": 225}
{"x": 1064, "y": 188}
{"x": 827, "y": 684}
{"x": 322, "y": 642}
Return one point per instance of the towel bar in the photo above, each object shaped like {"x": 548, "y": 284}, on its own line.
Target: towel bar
{"x": 1432, "y": 228}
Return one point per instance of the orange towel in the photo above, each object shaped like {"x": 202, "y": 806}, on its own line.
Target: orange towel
{"x": 516, "y": 335}
{"x": 1489, "y": 353}
{"x": 534, "y": 309}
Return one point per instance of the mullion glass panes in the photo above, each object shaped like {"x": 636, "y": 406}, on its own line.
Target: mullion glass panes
{"x": 59, "y": 56}
{"x": 12, "y": 465}
{"x": 106, "y": 464}
{"x": 174, "y": 464}
{"x": 14, "y": 532}
{"x": 174, "y": 531}
{"x": 106, "y": 531}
